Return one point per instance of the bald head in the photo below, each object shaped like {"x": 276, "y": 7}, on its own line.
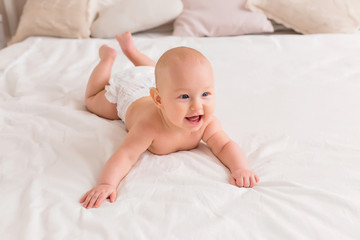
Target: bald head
{"x": 177, "y": 62}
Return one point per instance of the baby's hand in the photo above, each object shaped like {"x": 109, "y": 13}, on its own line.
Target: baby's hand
{"x": 243, "y": 178}
{"x": 97, "y": 195}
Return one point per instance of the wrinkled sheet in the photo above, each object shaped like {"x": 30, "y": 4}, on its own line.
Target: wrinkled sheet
{"x": 291, "y": 102}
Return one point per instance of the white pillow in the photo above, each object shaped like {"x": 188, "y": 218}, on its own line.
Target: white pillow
{"x": 312, "y": 16}
{"x": 134, "y": 16}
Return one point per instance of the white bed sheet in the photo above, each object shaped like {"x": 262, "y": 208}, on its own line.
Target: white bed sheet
{"x": 290, "y": 101}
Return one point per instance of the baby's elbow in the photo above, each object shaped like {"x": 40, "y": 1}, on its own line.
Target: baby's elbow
{"x": 218, "y": 142}
{"x": 219, "y": 147}
{"x": 131, "y": 159}
{"x": 225, "y": 146}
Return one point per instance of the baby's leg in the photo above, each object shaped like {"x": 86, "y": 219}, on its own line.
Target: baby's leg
{"x": 95, "y": 91}
{"x": 129, "y": 49}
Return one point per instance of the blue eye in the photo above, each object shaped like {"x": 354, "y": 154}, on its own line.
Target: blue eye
{"x": 184, "y": 96}
{"x": 205, "y": 94}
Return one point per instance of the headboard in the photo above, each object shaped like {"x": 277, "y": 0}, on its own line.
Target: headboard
{"x": 10, "y": 11}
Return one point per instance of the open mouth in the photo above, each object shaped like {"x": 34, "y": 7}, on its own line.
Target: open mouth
{"x": 194, "y": 119}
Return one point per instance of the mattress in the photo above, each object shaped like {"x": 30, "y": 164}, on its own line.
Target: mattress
{"x": 291, "y": 102}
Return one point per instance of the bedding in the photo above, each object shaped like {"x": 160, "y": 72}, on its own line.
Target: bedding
{"x": 290, "y": 101}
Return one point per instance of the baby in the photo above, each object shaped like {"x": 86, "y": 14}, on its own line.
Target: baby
{"x": 176, "y": 116}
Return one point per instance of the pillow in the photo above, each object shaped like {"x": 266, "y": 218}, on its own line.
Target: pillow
{"x": 215, "y": 18}
{"x": 101, "y": 4}
{"x": 65, "y": 18}
{"x": 312, "y": 16}
{"x": 134, "y": 16}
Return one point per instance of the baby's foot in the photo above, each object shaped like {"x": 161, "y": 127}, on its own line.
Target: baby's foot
{"x": 126, "y": 43}
{"x": 106, "y": 52}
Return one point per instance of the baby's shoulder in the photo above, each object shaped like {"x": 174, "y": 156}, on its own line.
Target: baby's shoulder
{"x": 149, "y": 118}
{"x": 141, "y": 111}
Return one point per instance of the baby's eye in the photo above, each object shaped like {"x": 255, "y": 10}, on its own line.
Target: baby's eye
{"x": 205, "y": 94}
{"x": 184, "y": 96}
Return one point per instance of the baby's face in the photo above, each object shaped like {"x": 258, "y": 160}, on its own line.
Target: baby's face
{"x": 188, "y": 96}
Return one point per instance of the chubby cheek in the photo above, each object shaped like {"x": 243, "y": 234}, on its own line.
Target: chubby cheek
{"x": 175, "y": 112}
{"x": 209, "y": 108}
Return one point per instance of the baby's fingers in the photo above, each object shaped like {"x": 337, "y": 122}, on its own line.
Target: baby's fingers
{"x": 252, "y": 181}
{"x": 232, "y": 181}
{"x": 87, "y": 199}
{"x": 100, "y": 199}
{"x": 113, "y": 196}
{"x": 84, "y": 197}
{"x": 240, "y": 182}
{"x": 94, "y": 198}
{"x": 246, "y": 182}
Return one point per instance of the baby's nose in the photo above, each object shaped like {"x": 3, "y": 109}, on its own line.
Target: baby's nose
{"x": 195, "y": 106}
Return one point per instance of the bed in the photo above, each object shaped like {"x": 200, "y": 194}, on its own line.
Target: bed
{"x": 291, "y": 101}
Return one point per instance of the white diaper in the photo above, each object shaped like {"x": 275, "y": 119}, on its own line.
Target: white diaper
{"x": 127, "y": 86}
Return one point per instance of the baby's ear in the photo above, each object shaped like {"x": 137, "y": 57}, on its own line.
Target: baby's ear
{"x": 154, "y": 93}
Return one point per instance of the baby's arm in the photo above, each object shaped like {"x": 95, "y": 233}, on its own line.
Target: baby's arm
{"x": 135, "y": 143}
{"x": 229, "y": 154}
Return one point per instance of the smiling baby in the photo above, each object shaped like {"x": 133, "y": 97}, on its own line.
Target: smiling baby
{"x": 174, "y": 115}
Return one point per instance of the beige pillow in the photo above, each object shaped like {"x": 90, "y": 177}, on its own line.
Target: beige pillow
{"x": 312, "y": 16}
{"x": 65, "y": 18}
